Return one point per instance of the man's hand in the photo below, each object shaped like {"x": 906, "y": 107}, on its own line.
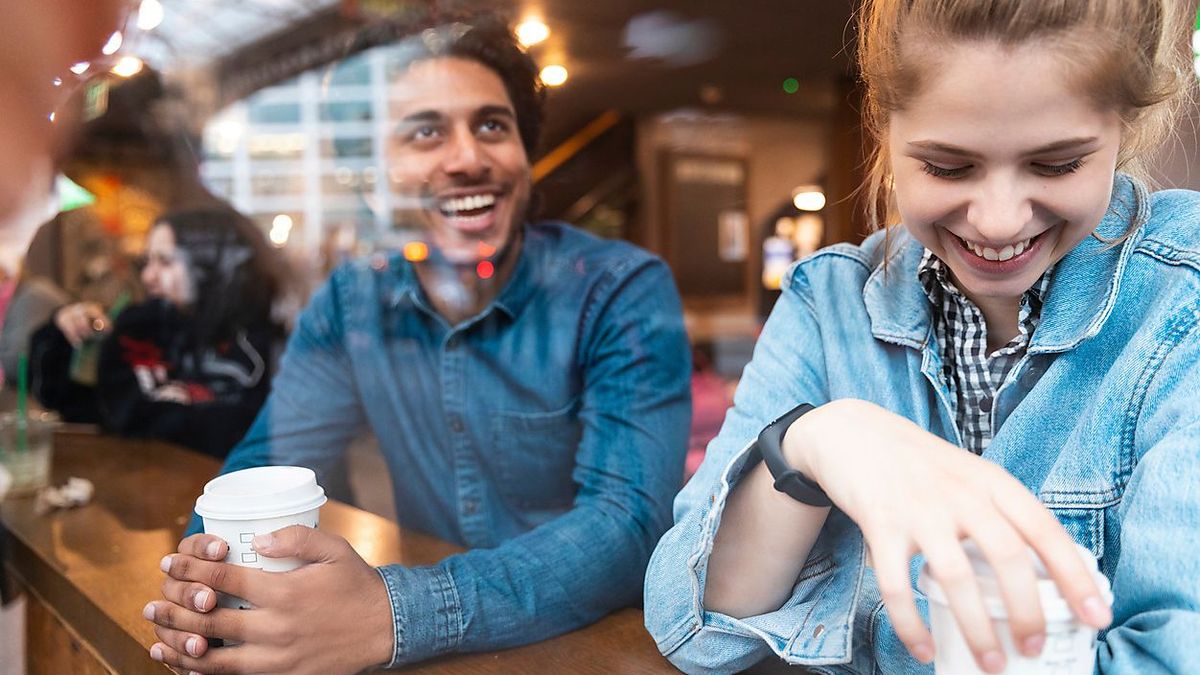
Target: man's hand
{"x": 330, "y": 616}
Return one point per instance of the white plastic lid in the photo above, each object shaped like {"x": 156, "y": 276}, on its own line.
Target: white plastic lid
{"x": 1054, "y": 606}
{"x": 261, "y": 492}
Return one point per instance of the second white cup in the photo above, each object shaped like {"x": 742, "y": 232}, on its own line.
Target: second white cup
{"x": 1070, "y": 647}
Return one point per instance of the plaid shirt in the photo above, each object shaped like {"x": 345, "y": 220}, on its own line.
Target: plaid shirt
{"x": 971, "y": 374}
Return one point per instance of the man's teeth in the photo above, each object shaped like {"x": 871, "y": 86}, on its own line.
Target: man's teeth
{"x": 1007, "y": 253}
{"x": 468, "y": 203}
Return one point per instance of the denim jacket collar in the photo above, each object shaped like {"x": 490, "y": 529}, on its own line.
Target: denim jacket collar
{"x": 511, "y": 299}
{"x": 1082, "y": 291}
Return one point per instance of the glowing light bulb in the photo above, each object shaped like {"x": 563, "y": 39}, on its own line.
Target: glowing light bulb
{"x": 809, "y": 200}
{"x": 113, "y": 44}
{"x": 531, "y": 32}
{"x": 128, "y": 66}
{"x": 150, "y": 14}
{"x": 554, "y": 75}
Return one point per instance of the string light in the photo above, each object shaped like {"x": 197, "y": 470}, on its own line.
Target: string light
{"x": 531, "y": 32}
{"x": 554, "y": 75}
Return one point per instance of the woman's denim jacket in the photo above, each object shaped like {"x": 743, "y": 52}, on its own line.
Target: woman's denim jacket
{"x": 1101, "y": 419}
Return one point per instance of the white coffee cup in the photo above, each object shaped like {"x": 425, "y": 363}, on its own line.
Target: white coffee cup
{"x": 241, "y": 505}
{"x": 1070, "y": 647}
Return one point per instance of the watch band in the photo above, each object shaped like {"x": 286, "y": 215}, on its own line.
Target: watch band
{"x": 788, "y": 480}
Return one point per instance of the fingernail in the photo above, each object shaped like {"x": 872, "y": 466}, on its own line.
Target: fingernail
{"x": 193, "y": 646}
{"x": 1032, "y": 646}
{"x": 213, "y": 550}
{"x": 262, "y": 541}
{"x": 165, "y": 563}
{"x": 148, "y": 611}
{"x": 200, "y": 599}
{"x": 992, "y": 662}
{"x": 1098, "y": 613}
{"x": 923, "y": 652}
{"x": 156, "y": 652}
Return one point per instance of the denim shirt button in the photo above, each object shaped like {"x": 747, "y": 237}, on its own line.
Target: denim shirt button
{"x": 470, "y": 506}
{"x": 818, "y": 630}
{"x": 456, "y": 425}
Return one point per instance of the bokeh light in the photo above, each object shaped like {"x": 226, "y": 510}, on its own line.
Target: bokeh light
{"x": 531, "y": 32}
{"x": 485, "y": 269}
{"x": 791, "y": 85}
{"x": 554, "y": 75}
{"x": 416, "y": 251}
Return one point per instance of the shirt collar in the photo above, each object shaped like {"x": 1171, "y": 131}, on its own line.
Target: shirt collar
{"x": 511, "y": 300}
{"x": 1078, "y": 297}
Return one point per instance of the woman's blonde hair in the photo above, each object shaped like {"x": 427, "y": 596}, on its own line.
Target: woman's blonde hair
{"x": 1130, "y": 55}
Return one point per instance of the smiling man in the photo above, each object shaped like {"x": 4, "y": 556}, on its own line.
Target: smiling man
{"x": 528, "y": 385}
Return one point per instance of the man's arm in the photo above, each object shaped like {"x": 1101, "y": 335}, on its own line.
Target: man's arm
{"x": 313, "y": 411}
{"x": 591, "y": 560}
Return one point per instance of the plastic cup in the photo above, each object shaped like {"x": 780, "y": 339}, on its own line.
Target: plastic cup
{"x": 26, "y": 449}
{"x": 1070, "y": 647}
{"x": 241, "y": 505}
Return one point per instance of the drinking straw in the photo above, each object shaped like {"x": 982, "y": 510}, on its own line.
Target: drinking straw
{"x": 22, "y": 405}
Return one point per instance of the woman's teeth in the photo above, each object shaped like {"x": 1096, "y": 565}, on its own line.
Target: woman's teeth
{"x": 1000, "y": 255}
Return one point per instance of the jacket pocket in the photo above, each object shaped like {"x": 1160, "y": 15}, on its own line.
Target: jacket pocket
{"x": 1085, "y": 525}
{"x": 535, "y": 456}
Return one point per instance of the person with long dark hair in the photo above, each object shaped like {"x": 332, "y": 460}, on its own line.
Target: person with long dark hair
{"x": 192, "y": 363}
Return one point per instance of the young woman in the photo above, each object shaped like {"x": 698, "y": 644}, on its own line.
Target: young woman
{"x": 1016, "y": 364}
{"x": 190, "y": 365}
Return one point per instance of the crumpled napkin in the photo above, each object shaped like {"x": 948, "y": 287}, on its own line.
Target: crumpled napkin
{"x": 76, "y": 492}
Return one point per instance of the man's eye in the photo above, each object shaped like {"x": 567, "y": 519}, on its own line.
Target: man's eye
{"x": 945, "y": 172}
{"x": 493, "y": 126}
{"x": 423, "y": 133}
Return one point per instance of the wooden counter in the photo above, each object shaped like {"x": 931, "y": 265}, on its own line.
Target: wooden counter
{"x": 91, "y": 570}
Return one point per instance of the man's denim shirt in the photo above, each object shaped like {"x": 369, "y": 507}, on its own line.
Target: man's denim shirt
{"x": 546, "y": 433}
{"x": 1101, "y": 419}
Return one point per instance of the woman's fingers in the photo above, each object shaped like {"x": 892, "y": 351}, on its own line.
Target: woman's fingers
{"x": 892, "y": 559}
{"x": 1012, "y": 566}
{"x": 1058, "y": 552}
{"x": 950, "y": 567}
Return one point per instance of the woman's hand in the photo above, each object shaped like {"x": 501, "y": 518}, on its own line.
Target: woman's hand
{"x": 81, "y": 321}
{"x": 911, "y": 492}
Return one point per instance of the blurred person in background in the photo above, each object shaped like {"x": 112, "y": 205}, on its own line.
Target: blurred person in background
{"x": 527, "y": 383}
{"x": 39, "y": 41}
{"x": 192, "y": 363}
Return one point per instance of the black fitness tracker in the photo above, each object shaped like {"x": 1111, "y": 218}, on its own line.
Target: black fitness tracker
{"x": 788, "y": 480}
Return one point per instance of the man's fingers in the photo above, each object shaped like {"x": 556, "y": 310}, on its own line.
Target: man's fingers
{"x": 189, "y": 594}
{"x": 205, "y": 547}
{"x": 232, "y": 579}
{"x": 891, "y": 561}
{"x": 183, "y": 642}
{"x": 298, "y": 541}
{"x": 214, "y": 662}
{"x": 222, "y": 623}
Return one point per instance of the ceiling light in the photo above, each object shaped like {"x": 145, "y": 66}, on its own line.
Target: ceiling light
{"x": 81, "y": 67}
{"x": 553, "y": 75}
{"x": 150, "y": 14}
{"x": 808, "y": 199}
{"x": 128, "y": 66}
{"x": 531, "y": 32}
{"x": 113, "y": 44}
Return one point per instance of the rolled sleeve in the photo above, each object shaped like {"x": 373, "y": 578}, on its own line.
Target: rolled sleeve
{"x": 814, "y": 626}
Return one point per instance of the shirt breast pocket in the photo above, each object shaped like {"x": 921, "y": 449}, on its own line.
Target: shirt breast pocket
{"x": 535, "y": 456}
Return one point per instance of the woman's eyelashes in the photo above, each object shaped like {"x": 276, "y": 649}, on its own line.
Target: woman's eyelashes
{"x": 1048, "y": 169}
